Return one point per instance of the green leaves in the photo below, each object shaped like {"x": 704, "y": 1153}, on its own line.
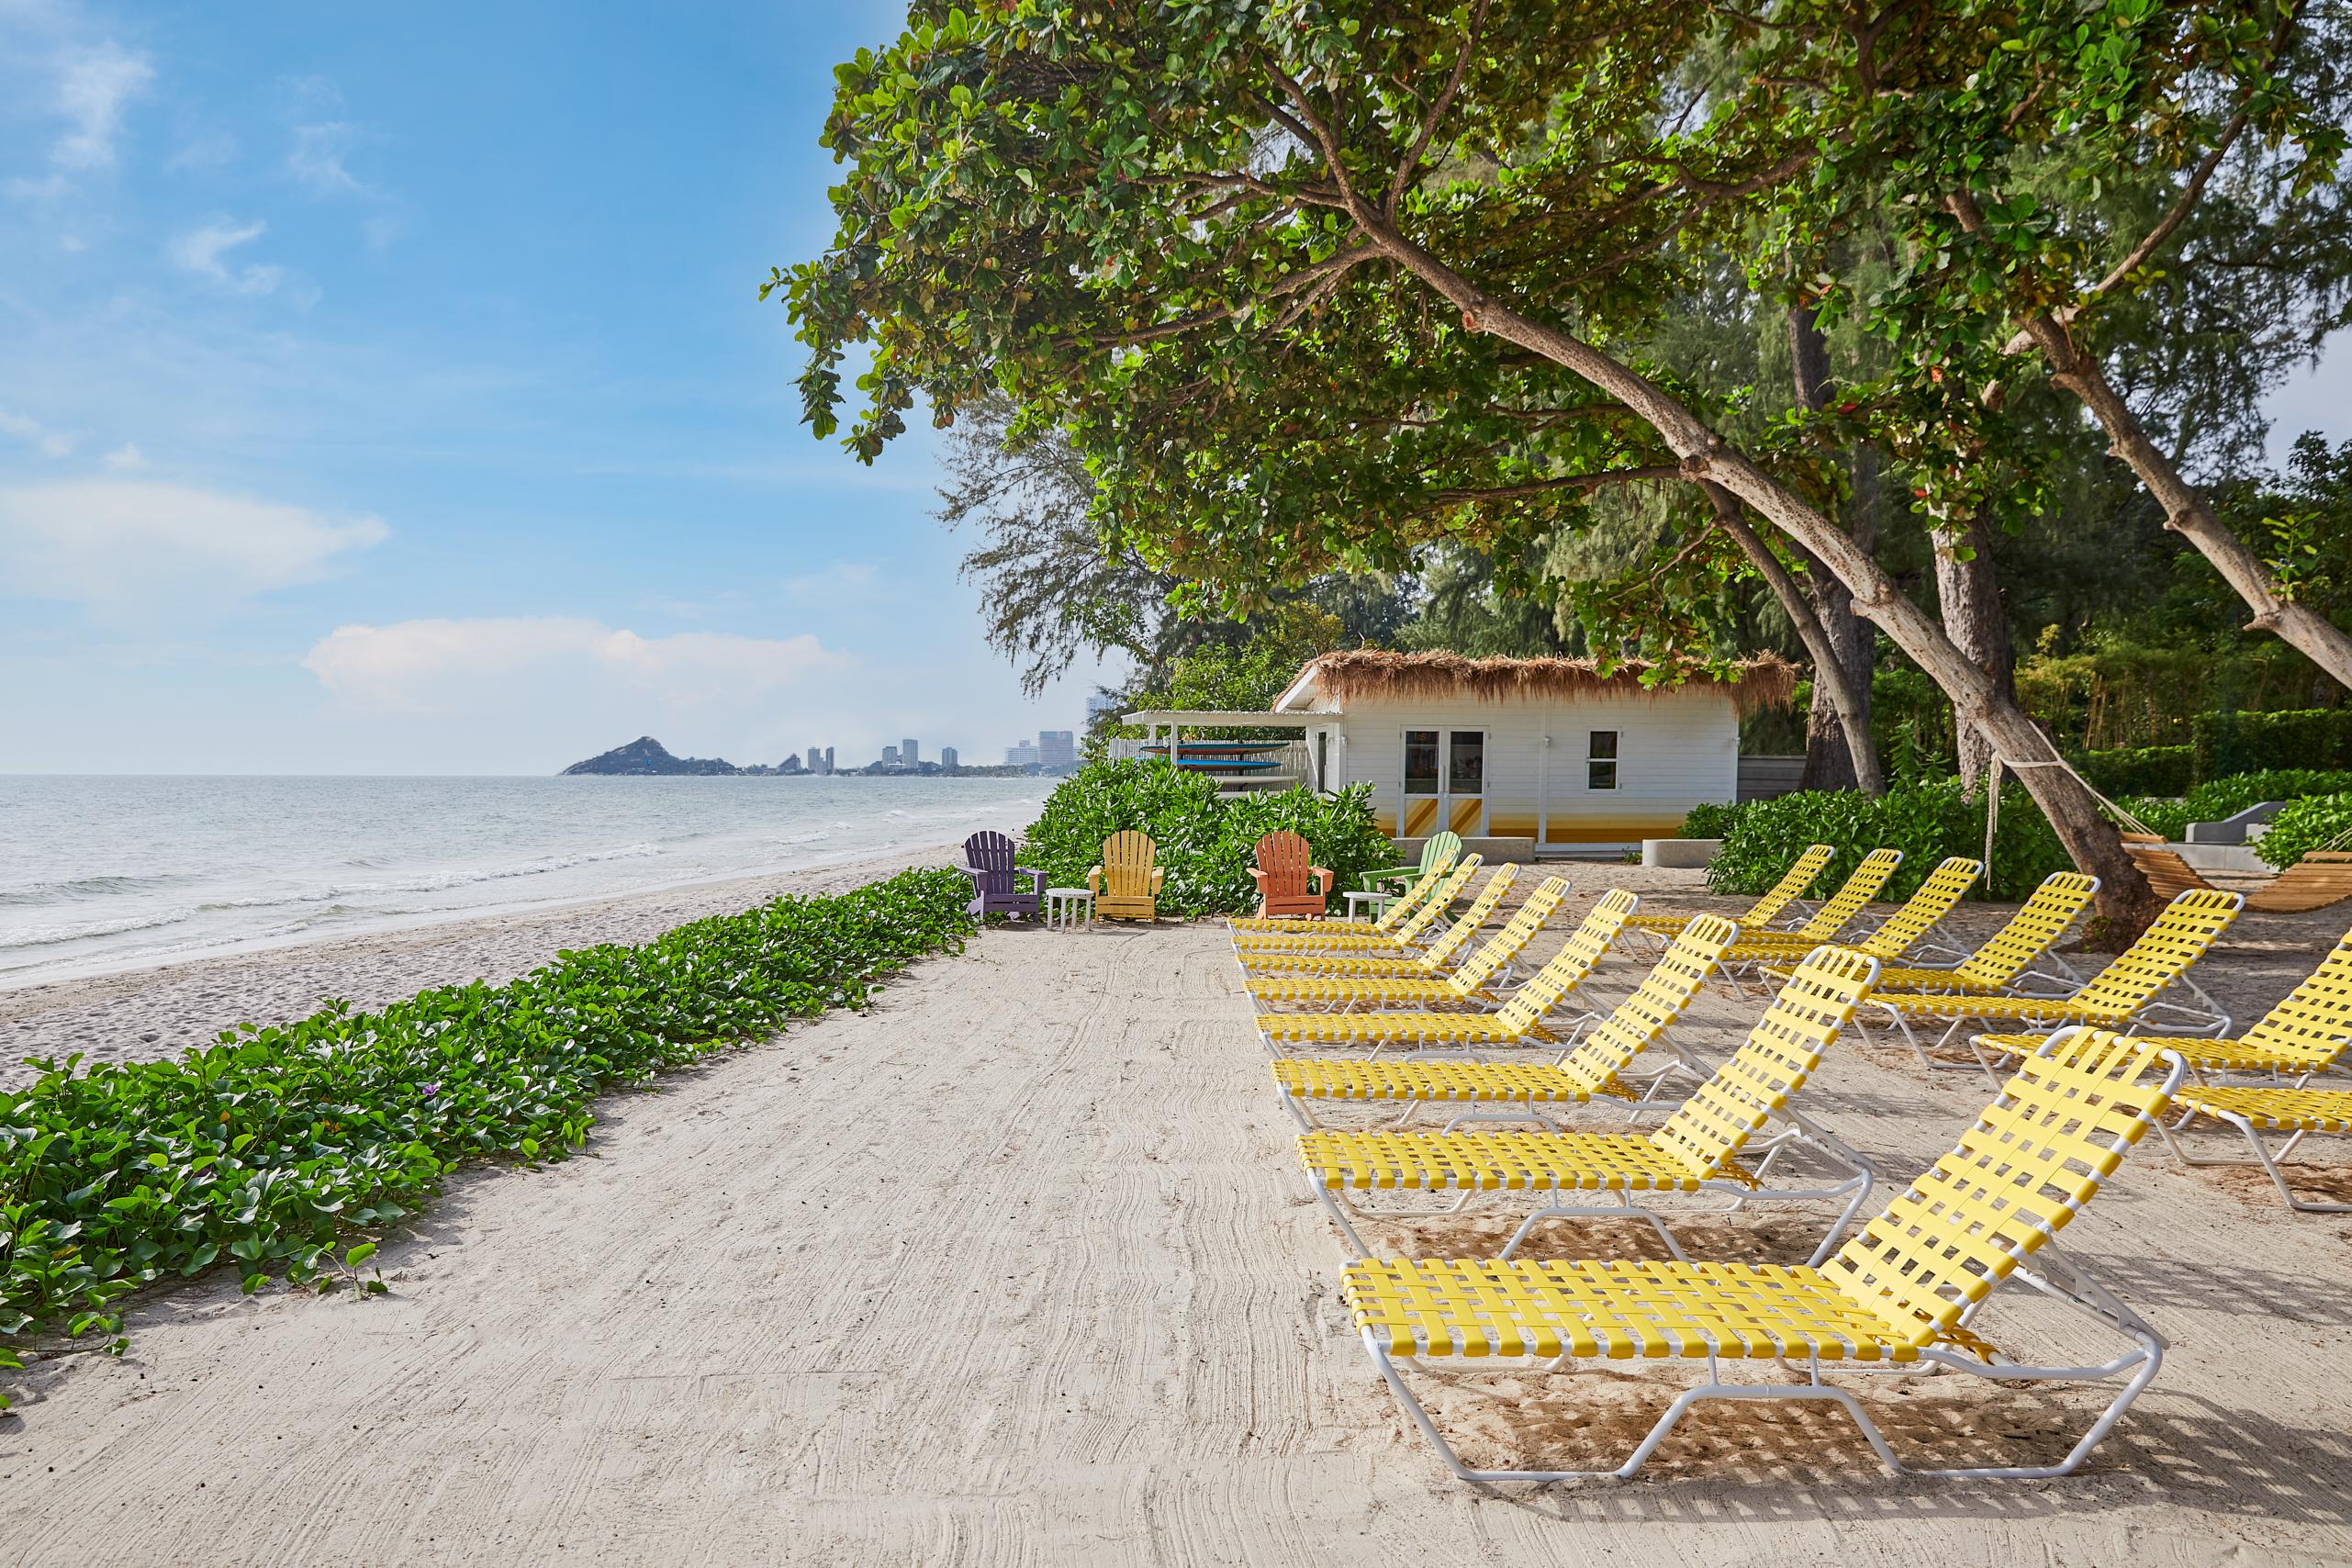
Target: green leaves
{"x": 271, "y": 1146}
{"x": 1206, "y": 844}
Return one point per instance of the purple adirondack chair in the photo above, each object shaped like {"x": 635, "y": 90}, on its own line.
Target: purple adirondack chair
{"x": 997, "y": 883}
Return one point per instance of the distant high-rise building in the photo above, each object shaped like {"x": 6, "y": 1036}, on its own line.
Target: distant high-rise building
{"x": 1056, "y": 749}
{"x": 907, "y": 752}
{"x": 828, "y": 759}
{"x": 890, "y": 757}
{"x": 947, "y": 757}
{"x": 1020, "y": 754}
{"x": 817, "y": 762}
{"x": 1098, "y": 705}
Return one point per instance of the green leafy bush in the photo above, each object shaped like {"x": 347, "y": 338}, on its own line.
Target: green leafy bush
{"x": 1709, "y": 821}
{"x": 2307, "y": 825}
{"x": 1929, "y": 822}
{"x": 2246, "y": 742}
{"x": 2227, "y": 797}
{"x": 2142, "y": 770}
{"x": 1204, "y": 843}
{"x": 270, "y": 1149}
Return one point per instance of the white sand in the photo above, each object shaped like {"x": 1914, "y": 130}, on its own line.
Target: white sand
{"x": 1018, "y": 1269}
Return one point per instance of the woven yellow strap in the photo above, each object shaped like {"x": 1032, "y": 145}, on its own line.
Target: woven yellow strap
{"x": 1613, "y": 1310}
{"x": 2283, "y": 1110}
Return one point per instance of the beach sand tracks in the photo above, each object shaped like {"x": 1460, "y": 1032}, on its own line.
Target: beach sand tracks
{"x": 1018, "y": 1268}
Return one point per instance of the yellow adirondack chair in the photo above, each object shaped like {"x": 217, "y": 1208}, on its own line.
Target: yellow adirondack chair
{"x": 1126, "y": 885}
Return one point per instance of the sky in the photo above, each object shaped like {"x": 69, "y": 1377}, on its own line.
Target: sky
{"x": 385, "y": 390}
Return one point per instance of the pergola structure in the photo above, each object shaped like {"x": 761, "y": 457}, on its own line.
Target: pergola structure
{"x": 1176, "y": 721}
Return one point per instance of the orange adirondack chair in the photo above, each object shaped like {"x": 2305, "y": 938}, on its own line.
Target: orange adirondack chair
{"x": 1126, "y": 884}
{"x": 1289, "y": 883}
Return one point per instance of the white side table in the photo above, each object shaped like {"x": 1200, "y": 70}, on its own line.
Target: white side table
{"x": 1067, "y": 908}
{"x": 1379, "y": 904}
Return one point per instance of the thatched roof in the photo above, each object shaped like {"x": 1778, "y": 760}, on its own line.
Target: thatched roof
{"x": 1764, "y": 680}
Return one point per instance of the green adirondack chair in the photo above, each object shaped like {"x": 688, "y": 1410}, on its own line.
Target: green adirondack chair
{"x": 1438, "y": 851}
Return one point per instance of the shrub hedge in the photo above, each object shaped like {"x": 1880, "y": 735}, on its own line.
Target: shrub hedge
{"x": 1928, "y": 822}
{"x": 2245, "y": 742}
{"x": 2303, "y": 826}
{"x": 1709, "y": 821}
{"x": 1204, "y": 842}
{"x": 2143, "y": 770}
{"x": 271, "y": 1149}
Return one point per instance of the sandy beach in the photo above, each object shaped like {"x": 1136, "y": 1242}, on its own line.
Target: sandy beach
{"x": 1019, "y": 1268}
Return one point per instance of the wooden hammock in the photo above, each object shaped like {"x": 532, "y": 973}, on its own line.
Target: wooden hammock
{"x": 2321, "y": 878}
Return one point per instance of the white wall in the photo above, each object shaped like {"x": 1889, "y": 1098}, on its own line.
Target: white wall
{"x": 1676, "y": 750}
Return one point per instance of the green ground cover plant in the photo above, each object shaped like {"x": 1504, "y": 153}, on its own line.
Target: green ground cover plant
{"x": 285, "y": 1151}
{"x": 2303, "y": 826}
{"x": 1204, "y": 843}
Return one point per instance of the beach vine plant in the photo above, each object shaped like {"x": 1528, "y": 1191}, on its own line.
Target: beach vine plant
{"x": 286, "y": 1150}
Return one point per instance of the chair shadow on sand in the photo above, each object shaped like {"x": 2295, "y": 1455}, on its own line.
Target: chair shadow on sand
{"x": 1807, "y": 1463}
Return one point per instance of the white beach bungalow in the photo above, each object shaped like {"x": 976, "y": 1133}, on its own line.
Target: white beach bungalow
{"x": 1547, "y": 752}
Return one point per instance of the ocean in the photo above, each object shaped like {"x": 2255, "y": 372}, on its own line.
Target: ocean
{"x": 108, "y": 872}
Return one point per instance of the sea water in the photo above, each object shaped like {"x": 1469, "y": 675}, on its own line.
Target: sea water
{"x": 108, "y": 872}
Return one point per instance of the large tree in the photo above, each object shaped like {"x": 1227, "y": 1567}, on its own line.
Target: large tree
{"x": 1147, "y": 220}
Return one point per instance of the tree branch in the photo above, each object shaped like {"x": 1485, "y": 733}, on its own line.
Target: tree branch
{"x": 1412, "y": 160}
{"x": 2150, "y": 244}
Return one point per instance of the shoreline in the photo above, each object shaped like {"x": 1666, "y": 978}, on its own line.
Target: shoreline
{"x": 155, "y": 1009}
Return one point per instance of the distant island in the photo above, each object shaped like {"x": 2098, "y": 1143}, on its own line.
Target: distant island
{"x": 646, "y": 757}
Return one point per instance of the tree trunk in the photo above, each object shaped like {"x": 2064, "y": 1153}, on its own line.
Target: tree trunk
{"x": 1968, "y": 593}
{"x": 2125, "y": 903}
{"x": 2186, "y": 510}
{"x": 1829, "y": 681}
{"x": 1837, "y": 735}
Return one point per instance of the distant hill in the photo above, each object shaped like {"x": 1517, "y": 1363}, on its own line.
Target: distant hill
{"x": 647, "y": 758}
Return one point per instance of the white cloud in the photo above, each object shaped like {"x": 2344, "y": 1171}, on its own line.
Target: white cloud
{"x": 200, "y": 251}
{"x": 528, "y": 663}
{"x": 316, "y": 160}
{"x": 93, "y": 87}
{"x": 33, "y": 433}
{"x": 126, "y": 458}
{"x": 130, "y": 550}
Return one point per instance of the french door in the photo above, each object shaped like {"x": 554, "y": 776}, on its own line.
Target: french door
{"x": 1445, "y": 782}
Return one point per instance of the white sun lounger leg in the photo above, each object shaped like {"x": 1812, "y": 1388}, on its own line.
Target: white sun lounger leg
{"x": 2141, "y": 1362}
{"x": 2269, "y": 1162}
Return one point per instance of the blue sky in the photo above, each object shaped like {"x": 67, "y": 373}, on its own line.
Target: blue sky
{"x": 384, "y": 390}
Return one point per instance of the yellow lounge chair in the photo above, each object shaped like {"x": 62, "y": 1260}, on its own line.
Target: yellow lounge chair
{"x": 1126, "y": 884}
{"x": 1696, "y": 1150}
{"x": 1350, "y": 960}
{"x": 1399, "y": 908}
{"x": 1910, "y": 924}
{"x": 1472, "y": 985}
{"x": 2307, "y": 1036}
{"x": 2013, "y": 955}
{"x": 1903, "y": 1296}
{"x": 1597, "y": 1067}
{"x": 1250, "y": 944}
{"x": 1784, "y": 896}
{"x": 2125, "y": 994}
{"x": 1842, "y": 909}
{"x": 2255, "y": 1109}
{"x": 2309, "y": 1033}
{"x": 1520, "y": 1022}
